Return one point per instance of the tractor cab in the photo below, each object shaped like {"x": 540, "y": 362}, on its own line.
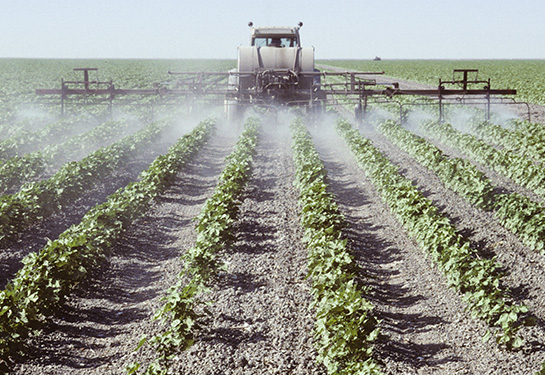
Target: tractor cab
{"x": 280, "y": 37}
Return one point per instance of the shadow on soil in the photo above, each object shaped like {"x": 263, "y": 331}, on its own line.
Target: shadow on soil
{"x": 35, "y": 237}
{"x": 233, "y": 333}
{"x": 254, "y": 236}
{"x": 97, "y": 311}
{"x": 378, "y": 258}
{"x": 85, "y": 332}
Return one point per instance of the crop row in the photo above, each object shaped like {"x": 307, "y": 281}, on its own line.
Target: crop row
{"x": 344, "y": 330}
{"x": 48, "y": 276}
{"x": 519, "y": 214}
{"x": 52, "y": 133}
{"x": 38, "y": 200}
{"x": 511, "y": 165}
{"x": 516, "y": 212}
{"x": 479, "y": 280}
{"x": 19, "y": 169}
{"x": 529, "y": 128}
{"x": 214, "y": 232}
{"x": 8, "y": 128}
{"x": 528, "y": 144}
{"x": 457, "y": 174}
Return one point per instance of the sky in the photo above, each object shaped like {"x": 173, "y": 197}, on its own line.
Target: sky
{"x": 391, "y": 29}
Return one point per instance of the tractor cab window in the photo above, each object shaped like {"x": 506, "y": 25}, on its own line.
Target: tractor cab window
{"x": 275, "y": 42}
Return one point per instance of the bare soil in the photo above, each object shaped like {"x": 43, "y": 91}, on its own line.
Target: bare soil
{"x": 36, "y": 237}
{"x": 425, "y": 329}
{"x": 101, "y": 323}
{"x": 260, "y": 318}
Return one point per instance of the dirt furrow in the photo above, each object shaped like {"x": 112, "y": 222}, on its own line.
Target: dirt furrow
{"x": 101, "y": 323}
{"x": 503, "y": 183}
{"x": 34, "y": 238}
{"x": 260, "y": 321}
{"x": 425, "y": 329}
{"x": 524, "y": 267}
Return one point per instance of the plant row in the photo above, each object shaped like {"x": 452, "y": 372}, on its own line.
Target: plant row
{"x": 345, "y": 329}
{"x": 47, "y": 277}
{"x": 457, "y": 174}
{"x": 516, "y": 167}
{"x": 519, "y": 214}
{"x": 528, "y": 144}
{"x": 214, "y": 232}
{"x": 54, "y": 132}
{"x": 38, "y": 200}
{"x": 529, "y": 128}
{"x": 478, "y": 279}
{"x": 19, "y": 169}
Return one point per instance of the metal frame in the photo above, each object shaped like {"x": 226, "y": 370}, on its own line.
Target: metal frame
{"x": 216, "y": 87}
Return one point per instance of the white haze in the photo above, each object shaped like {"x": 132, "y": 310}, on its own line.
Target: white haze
{"x": 33, "y": 117}
{"x": 503, "y": 116}
{"x": 460, "y": 117}
{"x": 416, "y": 117}
{"x": 377, "y": 115}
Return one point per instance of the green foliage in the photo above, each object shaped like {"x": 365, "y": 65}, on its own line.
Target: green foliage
{"x": 179, "y": 313}
{"x": 38, "y": 200}
{"x": 457, "y": 174}
{"x": 524, "y": 217}
{"x": 525, "y": 138}
{"x": 529, "y": 129}
{"x": 105, "y": 133}
{"x": 214, "y": 232}
{"x": 19, "y": 169}
{"x": 344, "y": 329}
{"x": 519, "y": 214}
{"x": 478, "y": 279}
{"x": 521, "y": 170}
{"x": 20, "y": 77}
{"x": 220, "y": 211}
{"x": 523, "y": 75}
{"x": 47, "y": 277}
{"x": 24, "y": 139}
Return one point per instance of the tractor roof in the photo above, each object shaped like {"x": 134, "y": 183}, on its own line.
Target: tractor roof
{"x": 280, "y": 31}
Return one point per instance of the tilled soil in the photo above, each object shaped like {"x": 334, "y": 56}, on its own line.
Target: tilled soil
{"x": 102, "y": 322}
{"x": 260, "y": 319}
{"x": 32, "y": 239}
{"x": 35, "y": 237}
{"x": 425, "y": 329}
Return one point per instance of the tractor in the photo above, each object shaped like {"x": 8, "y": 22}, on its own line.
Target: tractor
{"x": 276, "y": 71}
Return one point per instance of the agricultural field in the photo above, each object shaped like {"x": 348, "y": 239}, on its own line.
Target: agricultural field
{"x": 164, "y": 240}
{"x": 522, "y": 75}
